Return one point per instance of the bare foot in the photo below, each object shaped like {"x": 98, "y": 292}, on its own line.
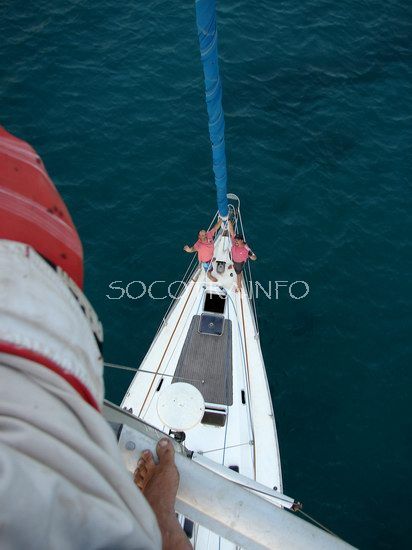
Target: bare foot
{"x": 211, "y": 277}
{"x": 159, "y": 484}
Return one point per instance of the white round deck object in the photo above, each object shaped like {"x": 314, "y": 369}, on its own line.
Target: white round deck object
{"x": 180, "y": 406}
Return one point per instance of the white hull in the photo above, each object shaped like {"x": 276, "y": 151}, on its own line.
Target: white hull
{"x": 247, "y": 442}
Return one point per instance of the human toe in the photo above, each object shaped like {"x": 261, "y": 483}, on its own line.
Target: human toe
{"x": 165, "y": 450}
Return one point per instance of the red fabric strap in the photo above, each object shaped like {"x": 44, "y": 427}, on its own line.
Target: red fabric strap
{"x": 14, "y": 349}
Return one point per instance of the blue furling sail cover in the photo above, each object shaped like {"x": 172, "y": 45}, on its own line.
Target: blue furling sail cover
{"x": 206, "y": 28}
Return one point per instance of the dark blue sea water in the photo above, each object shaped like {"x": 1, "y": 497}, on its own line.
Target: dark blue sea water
{"x": 318, "y": 116}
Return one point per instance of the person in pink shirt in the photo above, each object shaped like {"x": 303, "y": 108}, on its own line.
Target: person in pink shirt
{"x": 240, "y": 254}
{"x": 204, "y": 247}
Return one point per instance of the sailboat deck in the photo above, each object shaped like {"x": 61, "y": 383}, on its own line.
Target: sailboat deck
{"x": 206, "y": 360}
{"x": 209, "y": 340}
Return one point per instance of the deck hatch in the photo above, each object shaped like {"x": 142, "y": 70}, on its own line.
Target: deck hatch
{"x": 214, "y": 418}
{"x": 214, "y": 303}
{"x": 211, "y": 324}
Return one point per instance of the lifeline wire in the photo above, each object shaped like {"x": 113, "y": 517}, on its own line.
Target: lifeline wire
{"x": 123, "y": 367}
{"x": 227, "y": 447}
{"x": 320, "y": 525}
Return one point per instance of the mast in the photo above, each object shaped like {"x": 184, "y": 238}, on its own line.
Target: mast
{"x": 206, "y": 28}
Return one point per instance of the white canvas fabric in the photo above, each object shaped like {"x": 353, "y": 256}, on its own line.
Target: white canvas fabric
{"x": 62, "y": 483}
{"x": 39, "y": 312}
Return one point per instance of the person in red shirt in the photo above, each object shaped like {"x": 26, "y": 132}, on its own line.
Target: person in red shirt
{"x": 204, "y": 247}
{"x": 240, "y": 254}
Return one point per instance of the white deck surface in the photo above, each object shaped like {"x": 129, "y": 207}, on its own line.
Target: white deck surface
{"x": 248, "y": 440}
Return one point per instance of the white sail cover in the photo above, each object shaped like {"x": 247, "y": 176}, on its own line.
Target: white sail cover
{"x": 62, "y": 481}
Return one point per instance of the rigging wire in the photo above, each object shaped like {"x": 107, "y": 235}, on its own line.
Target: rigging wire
{"x": 180, "y": 289}
{"x": 123, "y": 367}
{"x": 170, "y": 358}
{"x": 186, "y": 277}
{"x": 250, "y": 281}
{"x": 238, "y": 220}
{"x": 227, "y": 393}
{"x": 223, "y": 448}
{"x": 320, "y": 525}
{"x": 245, "y": 368}
{"x": 280, "y": 497}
